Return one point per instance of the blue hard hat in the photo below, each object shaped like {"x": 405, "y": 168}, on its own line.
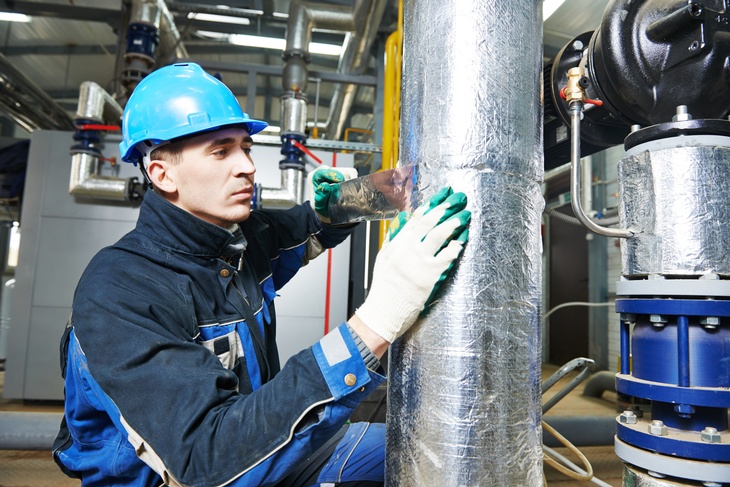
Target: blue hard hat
{"x": 178, "y": 100}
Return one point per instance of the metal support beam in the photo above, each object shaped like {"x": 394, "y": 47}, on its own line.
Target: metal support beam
{"x": 193, "y": 48}
{"x": 278, "y": 70}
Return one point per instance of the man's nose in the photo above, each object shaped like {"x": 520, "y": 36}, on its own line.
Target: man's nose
{"x": 244, "y": 163}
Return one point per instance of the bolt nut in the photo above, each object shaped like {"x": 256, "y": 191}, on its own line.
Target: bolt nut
{"x": 657, "y": 319}
{"x": 630, "y": 317}
{"x": 627, "y": 417}
{"x": 657, "y": 428}
{"x": 710, "y": 435}
{"x": 637, "y": 411}
{"x": 710, "y": 320}
{"x": 577, "y": 45}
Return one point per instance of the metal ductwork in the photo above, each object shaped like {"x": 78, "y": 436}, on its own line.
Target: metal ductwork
{"x": 290, "y": 192}
{"x": 96, "y": 107}
{"x": 27, "y": 104}
{"x": 353, "y": 61}
{"x": 361, "y": 21}
{"x": 464, "y": 405}
{"x": 151, "y": 30}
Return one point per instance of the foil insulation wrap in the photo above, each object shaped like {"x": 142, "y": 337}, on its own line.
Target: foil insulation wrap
{"x": 678, "y": 201}
{"x": 464, "y": 404}
{"x": 377, "y": 196}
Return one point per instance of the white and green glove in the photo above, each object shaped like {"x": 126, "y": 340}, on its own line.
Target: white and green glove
{"x": 418, "y": 254}
{"x": 325, "y": 186}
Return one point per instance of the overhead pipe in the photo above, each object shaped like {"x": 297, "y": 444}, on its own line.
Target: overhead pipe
{"x": 224, "y": 10}
{"x": 27, "y": 104}
{"x": 464, "y": 405}
{"x": 303, "y": 18}
{"x": 95, "y": 108}
{"x": 151, "y": 31}
{"x": 354, "y": 61}
{"x": 171, "y": 45}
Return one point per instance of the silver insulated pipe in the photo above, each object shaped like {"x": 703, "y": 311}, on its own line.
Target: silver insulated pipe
{"x": 85, "y": 181}
{"x": 676, "y": 191}
{"x": 464, "y": 386}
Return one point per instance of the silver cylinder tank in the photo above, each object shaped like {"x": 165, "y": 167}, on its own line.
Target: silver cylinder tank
{"x": 464, "y": 386}
{"x": 676, "y": 194}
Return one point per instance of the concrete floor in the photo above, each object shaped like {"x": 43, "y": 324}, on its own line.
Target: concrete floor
{"x": 36, "y": 468}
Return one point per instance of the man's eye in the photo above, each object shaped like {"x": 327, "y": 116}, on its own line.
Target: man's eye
{"x": 247, "y": 151}
{"x": 220, "y": 152}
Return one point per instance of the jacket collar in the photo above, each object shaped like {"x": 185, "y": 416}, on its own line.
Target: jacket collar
{"x": 176, "y": 229}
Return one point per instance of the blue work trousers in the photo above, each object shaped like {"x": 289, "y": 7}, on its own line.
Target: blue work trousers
{"x": 353, "y": 458}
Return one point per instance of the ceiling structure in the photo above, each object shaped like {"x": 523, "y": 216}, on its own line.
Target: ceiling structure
{"x": 68, "y": 42}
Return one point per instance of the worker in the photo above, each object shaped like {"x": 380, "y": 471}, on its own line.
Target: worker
{"x": 171, "y": 368}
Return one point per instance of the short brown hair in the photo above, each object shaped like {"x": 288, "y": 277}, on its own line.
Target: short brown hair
{"x": 169, "y": 152}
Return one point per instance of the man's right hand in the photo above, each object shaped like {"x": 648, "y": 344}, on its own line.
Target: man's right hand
{"x": 325, "y": 187}
{"x": 414, "y": 262}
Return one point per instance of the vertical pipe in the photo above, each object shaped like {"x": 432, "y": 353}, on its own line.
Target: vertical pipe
{"x": 398, "y": 84}
{"x": 625, "y": 347}
{"x": 683, "y": 351}
{"x": 391, "y": 109}
{"x": 388, "y": 100}
{"x": 587, "y": 183}
{"x": 464, "y": 387}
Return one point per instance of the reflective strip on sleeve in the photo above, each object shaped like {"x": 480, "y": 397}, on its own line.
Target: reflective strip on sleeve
{"x": 334, "y": 348}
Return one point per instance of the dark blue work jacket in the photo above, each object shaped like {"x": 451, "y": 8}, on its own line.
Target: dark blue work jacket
{"x": 171, "y": 368}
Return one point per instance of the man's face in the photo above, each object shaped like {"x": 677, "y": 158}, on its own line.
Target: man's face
{"x": 214, "y": 177}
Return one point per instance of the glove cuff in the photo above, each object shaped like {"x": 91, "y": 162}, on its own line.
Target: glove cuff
{"x": 387, "y": 315}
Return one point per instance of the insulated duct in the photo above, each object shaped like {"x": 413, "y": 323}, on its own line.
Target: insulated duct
{"x": 361, "y": 21}
{"x": 464, "y": 403}
{"x": 353, "y": 61}
{"x": 171, "y": 46}
{"x": 681, "y": 208}
{"x": 27, "y": 104}
{"x": 151, "y": 32}
{"x": 95, "y": 106}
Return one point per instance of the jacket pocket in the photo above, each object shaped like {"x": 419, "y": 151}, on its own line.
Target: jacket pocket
{"x": 223, "y": 341}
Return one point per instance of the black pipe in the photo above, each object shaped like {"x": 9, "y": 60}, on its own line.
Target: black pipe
{"x": 581, "y": 430}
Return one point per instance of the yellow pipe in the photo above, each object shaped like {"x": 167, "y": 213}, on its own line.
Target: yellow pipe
{"x": 391, "y": 53}
{"x": 398, "y": 75}
{"x": 391, "y": 101}
{"x": 355, "y": 130}
{"x": 350, "y": 130}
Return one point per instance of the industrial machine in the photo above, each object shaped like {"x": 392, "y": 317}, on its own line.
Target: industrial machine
{"x": 654, "y": 76}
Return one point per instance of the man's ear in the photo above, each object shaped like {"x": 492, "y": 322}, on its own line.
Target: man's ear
{"x": 161, "y": 176}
